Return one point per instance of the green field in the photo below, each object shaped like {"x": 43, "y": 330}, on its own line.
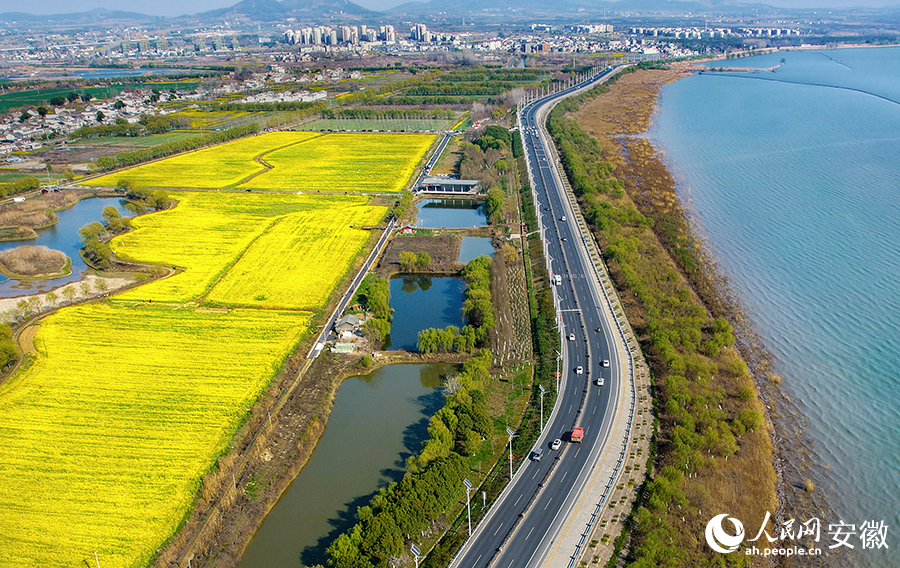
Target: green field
{"x": 136, "y": 141}
{"x": 37, "y": 97}
{"x": 385, "y": 125}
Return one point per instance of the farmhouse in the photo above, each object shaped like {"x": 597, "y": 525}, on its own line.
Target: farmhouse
{"x": 347, "y": 325}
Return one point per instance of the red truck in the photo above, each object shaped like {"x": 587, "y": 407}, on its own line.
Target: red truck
{"x": 576, "y": 435}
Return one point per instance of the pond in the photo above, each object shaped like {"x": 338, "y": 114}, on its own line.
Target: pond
{"x": 378, "y": 421}
{"x": 450, "y": 214}
{"x": 472, "y": 247}
{"x": 62, "y": 236}
{"x": 420, "y": 302}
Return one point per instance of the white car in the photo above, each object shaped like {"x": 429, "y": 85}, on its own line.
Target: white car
{"x": 571, "y": 337}
{"x": 555, "y": 444}
{"x": 563, "y": 219}
{"x": 605, "y": 363}
{"x": 579, "y": 370}
{"x": 599, "y": 382}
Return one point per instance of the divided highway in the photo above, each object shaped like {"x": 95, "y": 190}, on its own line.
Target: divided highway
{"x": 526, "y": 525}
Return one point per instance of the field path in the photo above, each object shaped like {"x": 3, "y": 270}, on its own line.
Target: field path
{"x": 259, "y": 159}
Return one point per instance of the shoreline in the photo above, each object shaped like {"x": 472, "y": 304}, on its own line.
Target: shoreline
{"x": 791, "y": 444}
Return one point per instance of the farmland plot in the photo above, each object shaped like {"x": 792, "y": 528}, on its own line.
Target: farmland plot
{"x": 104, "y": 439}
{"x": 345, "y": 162}
{"x": 211, "y": 168}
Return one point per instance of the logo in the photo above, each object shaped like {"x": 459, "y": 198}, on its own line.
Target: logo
{"x": 721, "y": 541}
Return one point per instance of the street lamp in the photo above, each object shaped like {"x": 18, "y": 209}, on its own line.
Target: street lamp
{"x": 468, "y": 485}
{"x": 416, "y": 554}
{"x": 512, "y": 435}
{"x": 543, "y": 390}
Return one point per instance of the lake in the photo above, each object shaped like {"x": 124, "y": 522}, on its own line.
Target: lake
{"x": 421, "y": 302}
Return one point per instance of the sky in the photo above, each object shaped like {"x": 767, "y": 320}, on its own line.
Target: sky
{"x": 180, "y": 7}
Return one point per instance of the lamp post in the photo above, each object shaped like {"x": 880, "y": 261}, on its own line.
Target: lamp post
{"x": 512, "y": 435}
{"x": 468, "y": 485}
{"x": 543, "y": 390}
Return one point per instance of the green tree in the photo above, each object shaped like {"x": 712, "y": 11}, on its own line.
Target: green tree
{"x": 118, "y": 105}
{"x": 42, "y": 111}
{"x": 58, "y": 101}
{"x": 407, "y": 261}
{"x": 423, "y": 260}
{"x": 69, "y": 293}
{"x": 100, "y": 116}
{"x": 72, "y": 97}
{"x": 24, "y": 116}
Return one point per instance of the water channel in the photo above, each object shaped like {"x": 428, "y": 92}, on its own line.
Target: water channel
{"x": 378, "y": 421}
{"x": 472, "y": 247}
{"x": 62, "y": 236}
{"x": 450, "y": 214}
{"x": 420, "y": 302}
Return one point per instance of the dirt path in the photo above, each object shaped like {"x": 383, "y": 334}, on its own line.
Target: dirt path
{"x": 10, "y": 306}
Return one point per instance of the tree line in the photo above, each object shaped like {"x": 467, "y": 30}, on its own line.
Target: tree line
{"x": 125, "y": 159}
{"x": 375, "y": 294}
{"x": 148, "y": 124}
{"x": 21, "y": 185}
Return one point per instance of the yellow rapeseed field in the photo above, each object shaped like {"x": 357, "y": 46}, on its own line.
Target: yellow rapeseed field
{"x": 273, "y": 250}
{"x": 211, "y": 168}
{"x": 345, "y": 162}
{"x": 298, "y": 261}
{"x": 300, "y": 161}
{"x": 105, "y": 437}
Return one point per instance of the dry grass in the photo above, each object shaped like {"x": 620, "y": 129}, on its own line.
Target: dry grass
{"x": 30, "y": 260}
{"x": 35, "y": 212}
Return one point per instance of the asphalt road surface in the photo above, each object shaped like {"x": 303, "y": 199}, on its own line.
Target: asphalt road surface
{"x": 522, "y": 528}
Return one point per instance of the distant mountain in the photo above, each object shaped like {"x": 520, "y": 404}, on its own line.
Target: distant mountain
{"x": 303, "y": 10}
{"x": 96, "y": 16}
{"x": 559, "y": 8}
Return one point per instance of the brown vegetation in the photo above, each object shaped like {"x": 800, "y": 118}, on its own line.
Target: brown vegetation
{"x": 36, "y": 212}
{"x": 32, "y": 261}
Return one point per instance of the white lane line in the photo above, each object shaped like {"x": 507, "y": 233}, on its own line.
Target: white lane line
{"x": 498, "y": 529}
{"x": 477, "y": 559}
{"x": 536, "y": 471}
{"x": 548, "y": 503}
{"x": 564, "y": 476}
{"x": 517, "y": 500}
{"x": 529, "y": 533}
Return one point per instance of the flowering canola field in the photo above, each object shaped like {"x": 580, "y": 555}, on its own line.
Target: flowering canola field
{"x": 211, "y": 168}
{"x": 288, "y": 250}
{"x": 300, "y": 161}
{"x": 104, "y": 439}
{"x": 345, "y": 162}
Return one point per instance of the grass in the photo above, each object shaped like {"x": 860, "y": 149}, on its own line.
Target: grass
{"x": 30, "y": 260}
{"x": 137, "y": 141}
{"x": 105, "y": 437}
{"x": 211, "y": 168}
{"x": 345, "y": 162}
{"x": 301, "y": 238}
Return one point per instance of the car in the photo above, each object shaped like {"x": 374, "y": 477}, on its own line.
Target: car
{"x": 555, "y": 444}
{"x": 579, "y": 370}
{"x": 598, "y": 381}
{"x": 605, "y": 363}
{"x": 563, "y": 219}
{"x": 571, "y": 337}
{"x": 563, "y": 239}
{"x": 537, "y": 454}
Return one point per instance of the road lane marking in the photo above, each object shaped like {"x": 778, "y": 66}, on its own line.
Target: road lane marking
{"x": 517, "y": 500}
{"x": 529, "y": 533}
{"x": 548, "y": 503}
{"x": 498, "y": 529}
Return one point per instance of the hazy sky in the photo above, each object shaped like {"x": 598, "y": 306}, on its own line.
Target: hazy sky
{"x": 179, "y": 7}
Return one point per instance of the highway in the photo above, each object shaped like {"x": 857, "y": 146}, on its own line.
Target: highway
{"x": 522, "y": 529}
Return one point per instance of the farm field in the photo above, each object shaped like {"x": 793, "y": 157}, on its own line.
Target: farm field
{"x": 282, "y": 246}
{"x": 298, "y": 261}
{"x": 301, "y": 161}
{"x": 105, "y": 437}
{"x": 345, "y": 162}
{"x": 136, "y": 141}
{"x": 211, "y": 168}
{"x": 390, "y": 124}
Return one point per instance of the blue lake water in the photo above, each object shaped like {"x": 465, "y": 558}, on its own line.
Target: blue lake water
{"x": 794, "y": 177}
{"x": 450, "y": 214}
{"x": 420, "y": 302}
{"x": 472, "y": 247}
{"x": 62, "y": 236}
